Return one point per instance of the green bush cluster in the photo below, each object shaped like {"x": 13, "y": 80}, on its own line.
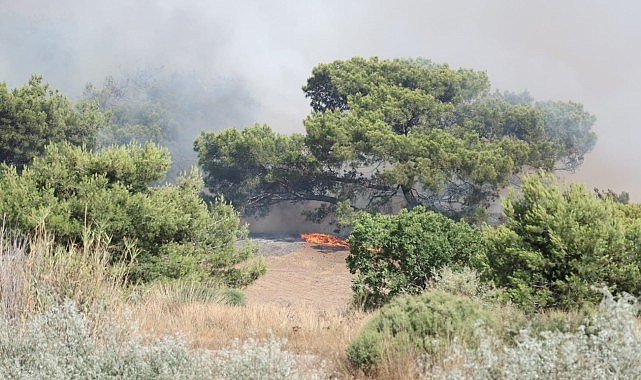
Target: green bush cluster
{"x": 459, "y": 334}
{"x": 397, "y": 254}
{"x": 557, "y": 242}
{"x": 421, "y": 324}
{"x": 168, "y": 231}
{"x": 36, "y": 115}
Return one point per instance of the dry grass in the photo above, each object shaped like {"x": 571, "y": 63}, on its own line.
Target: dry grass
{"x": 213, "y": 326}
{"x": 35, "y": 273}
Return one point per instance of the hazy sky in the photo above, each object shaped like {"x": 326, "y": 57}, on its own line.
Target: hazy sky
{"x": 587, "y": 51}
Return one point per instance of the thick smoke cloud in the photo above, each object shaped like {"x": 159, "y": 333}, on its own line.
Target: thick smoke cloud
{"x": 585, "y": 51}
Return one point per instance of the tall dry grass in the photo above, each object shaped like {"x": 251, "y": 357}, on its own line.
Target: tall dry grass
{"x": 36, "y": 273}
{"x": 309, "y": 332}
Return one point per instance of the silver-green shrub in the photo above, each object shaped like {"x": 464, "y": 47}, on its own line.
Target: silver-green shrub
{"x": 256, "y": 360}
{"x": 63, "y": 343}
{"x": 607, "y": 346}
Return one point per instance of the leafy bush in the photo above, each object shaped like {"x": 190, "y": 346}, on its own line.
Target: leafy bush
{"x": 557, "y": 242}
{"x": 261, "y": 360}
{"x": 168, "y": 230}
{"x": 419, "y": 324}
{"x": 606, "y": 346}
{"x": 63, "y": 343}
{"x": 396, "y": 254}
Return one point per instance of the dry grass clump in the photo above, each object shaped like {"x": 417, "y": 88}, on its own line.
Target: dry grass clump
{"x": 36, "y": 273}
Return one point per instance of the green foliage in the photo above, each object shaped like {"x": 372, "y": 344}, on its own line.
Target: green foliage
{"x": 404, "y": 131}
{"x": 396, "y": 254}
{"x": 134, "y": 115}
{"x": 169, "y": 231}
{"x": 569, "y": 128}
{"x": 462, "y": 281}
{"x": 241, "y": 277}
{"x": 558, "y": 242}
{"x": 63, "y": 343}
{"x": 419, "y": 324}
{"x": 623, "y": 197}
{"x": 36, "y": 115}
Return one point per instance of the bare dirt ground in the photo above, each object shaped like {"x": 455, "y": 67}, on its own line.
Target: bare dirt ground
{"x": 300, "y": 273}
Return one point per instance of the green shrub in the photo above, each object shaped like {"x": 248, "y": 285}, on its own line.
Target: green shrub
{"x": 243, "y": 276}
{"x": 419, "y": 324}
{"x": 168, "y": 231}
{"x": 557, "y": 242}
{"x": 397, "y": 254}
{"x": 36, "y": 115}
{"x": 464, "y": 281}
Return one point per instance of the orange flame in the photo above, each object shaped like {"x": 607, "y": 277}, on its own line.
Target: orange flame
{"x": 325, "y": 239}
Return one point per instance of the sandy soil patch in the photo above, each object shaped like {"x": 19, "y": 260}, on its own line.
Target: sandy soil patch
{"x": 310, "y": 276}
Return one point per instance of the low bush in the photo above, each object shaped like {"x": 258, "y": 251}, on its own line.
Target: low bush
{"x": 419, "y": 324}
{"x": 256, "y": 360}
{"x": 63, "y": 343}
{"x": 182, "y": 291}
{"x": 606, "y": 346}
{"x": 463, "y": 281}
{"x": 165, "y": 231}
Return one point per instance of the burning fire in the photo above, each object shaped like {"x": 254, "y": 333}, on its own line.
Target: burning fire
{"x": 325, "y": 239}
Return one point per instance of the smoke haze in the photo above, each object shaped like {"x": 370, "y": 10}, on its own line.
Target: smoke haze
{"x": 262, "y": 52}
